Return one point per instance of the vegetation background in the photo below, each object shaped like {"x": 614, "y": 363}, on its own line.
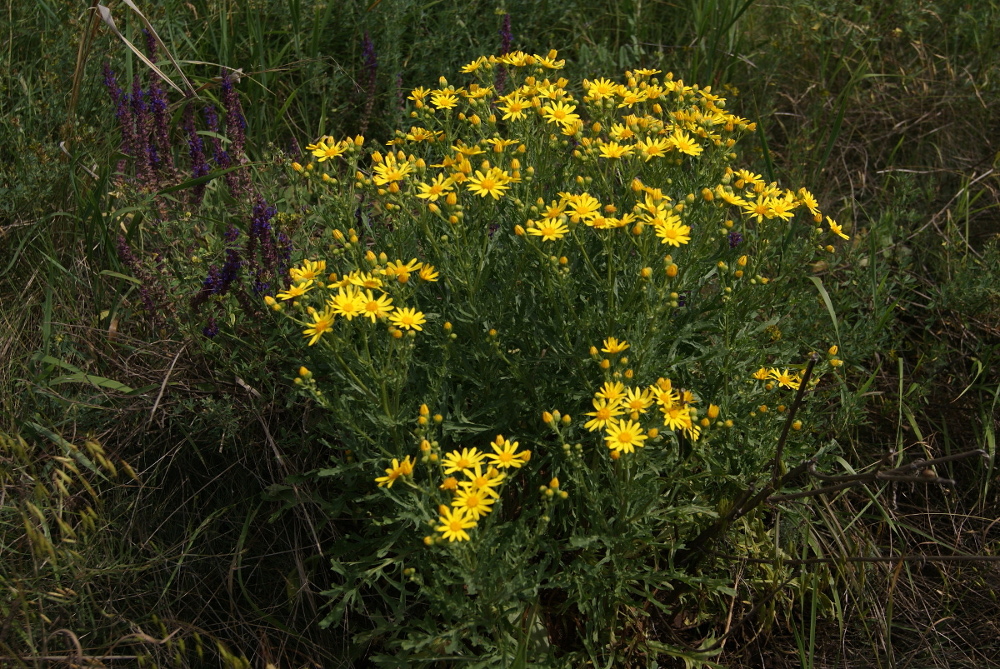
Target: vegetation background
{"x": 214, "y": 555}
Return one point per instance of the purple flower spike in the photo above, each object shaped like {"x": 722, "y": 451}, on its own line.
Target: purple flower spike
{"x": 735, "y": 239}
{"x": 211, "y": 329}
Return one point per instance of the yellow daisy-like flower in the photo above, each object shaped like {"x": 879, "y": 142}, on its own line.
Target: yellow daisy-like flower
{"x": 394, "y": 472}
{"x": 475, "y": 502}
{"x": 637, "y": 401}
{"x": 324, "y": 151}
{"x": 560, "y": 113}
{"x": 438, "y": 187}
{"x": 612, "y": 391}
{"x": 375, "y": 308}
{"x": 348, "y": 302}
{"x": 729, "y": 197}
{"x": 582, "y": 207}
{"x": 604, "y": 412}
{"x": 444, "y": 100}
{"x": 493, "y": 183}
{"x": 364, "y": 280}
{"x": 836, "y": 229}
{"x": 673, "y": 233}
{"x": 428, "y": 273}
{"x": 309, "y": 270}
{"x": 762, "y": 374}
{"x": 677, "y": 417}
{"x": 390, "y": 170}
{"x": 322, "y": 322}
{"x": 684, "y": 143}
{"x": 505, "y": 454}
{"x": 454, "y": 524}
{"x": 296, "y": 290}
{"x": 460, "y": 461}
{"x": 624, "y": 436}
{"x": 758, "y": 209}
{"x": 418, "y": 94}
{"x": 408, "y": 319}
{"x": 401, "y": 271}
{"x": 650, "y": 147}
{"x": 612, "y": 345}
{"x": 486, "y": 482}
{"x": 450, "y": 483}
{"x": 785, "y": 378}
{"x": 612, "y": 150}
{"x": 513, "y": 107}
{"x": 548, "y": 230}
{"x": 601, "y": 89}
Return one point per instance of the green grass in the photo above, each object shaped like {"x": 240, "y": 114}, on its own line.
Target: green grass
{"x": 882, "y": 109}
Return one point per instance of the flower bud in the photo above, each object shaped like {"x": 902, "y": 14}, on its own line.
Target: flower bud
{"x": 546, "y": 417}
{"x": 554, "y": 483}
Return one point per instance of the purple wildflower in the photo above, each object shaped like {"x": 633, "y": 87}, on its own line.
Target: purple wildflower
{"x": 506, "y": 40}
{"x": 211, "y": 329}
{"x": 260, "y": 234}
{"x": 123, "y": 113}
{"x": 236, "y": 123}
{"x": 196, "y": 151}
{"x": 143, "y": 128}
{"x": 735, "y": 239}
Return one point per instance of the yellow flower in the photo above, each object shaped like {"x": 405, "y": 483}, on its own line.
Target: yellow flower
{"x": 612, "y": 391}
{"x": 407, "y": 319}
{"x": 428, "y": 273}
{"x": 347, "y": 303}
{"x": 601, "y": 89}
{"x": 493, "y": 183}
{"x": 683, "y": 142}
{"x": 484, "y": 482}
{"x": 604, "y": 412}
{"x": 460, "y": 461}
{"x": 398, "y": 469}
{"x": 505, "y": 454}
{"x": 364, "y": 280}
{"x": 444, "y": 100}
{"x": 624, "y": 436}
{"x": 324, "y": 151}
{"x": 401, "y": 271}
{"x": 836, "y": 229}
{"x": 785, "y": 378}
{"x": 322, "y": 322}
{"x": 309, "y": 270}
{"x": 613, "y": 150}
{"x": 677, "y": 417}
{"x": 560, "y": 113}
{"x": 454, "y": 524}
{"x": 296, "y": 290}
{"x": 435, "y": 189}
{"x": 637, "y": 400}
{"x": 390, "y": 170}
{"x": 762, "y": 374}
{"x": 612, "y": 345}
{"x": 375, "y": 308}
{"x": 513, "y": 107}
{"x": 651, "y": 148}
{"x": 582, "y": 207}
{"x": 474, "y": 502}
{"x": 548, "y": 230}
{"x": 673, "y": 233}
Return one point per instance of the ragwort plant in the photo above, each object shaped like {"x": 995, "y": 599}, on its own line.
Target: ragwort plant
{"x": 547, "y": 317}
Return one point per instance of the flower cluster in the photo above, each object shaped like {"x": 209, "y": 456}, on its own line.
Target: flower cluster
{"x": 351, "y": 295}
{"x": 475, "y": 489}
{"x": 621, "y": 410}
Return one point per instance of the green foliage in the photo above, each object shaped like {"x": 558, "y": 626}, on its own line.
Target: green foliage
{"x": 880, "y": 109}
